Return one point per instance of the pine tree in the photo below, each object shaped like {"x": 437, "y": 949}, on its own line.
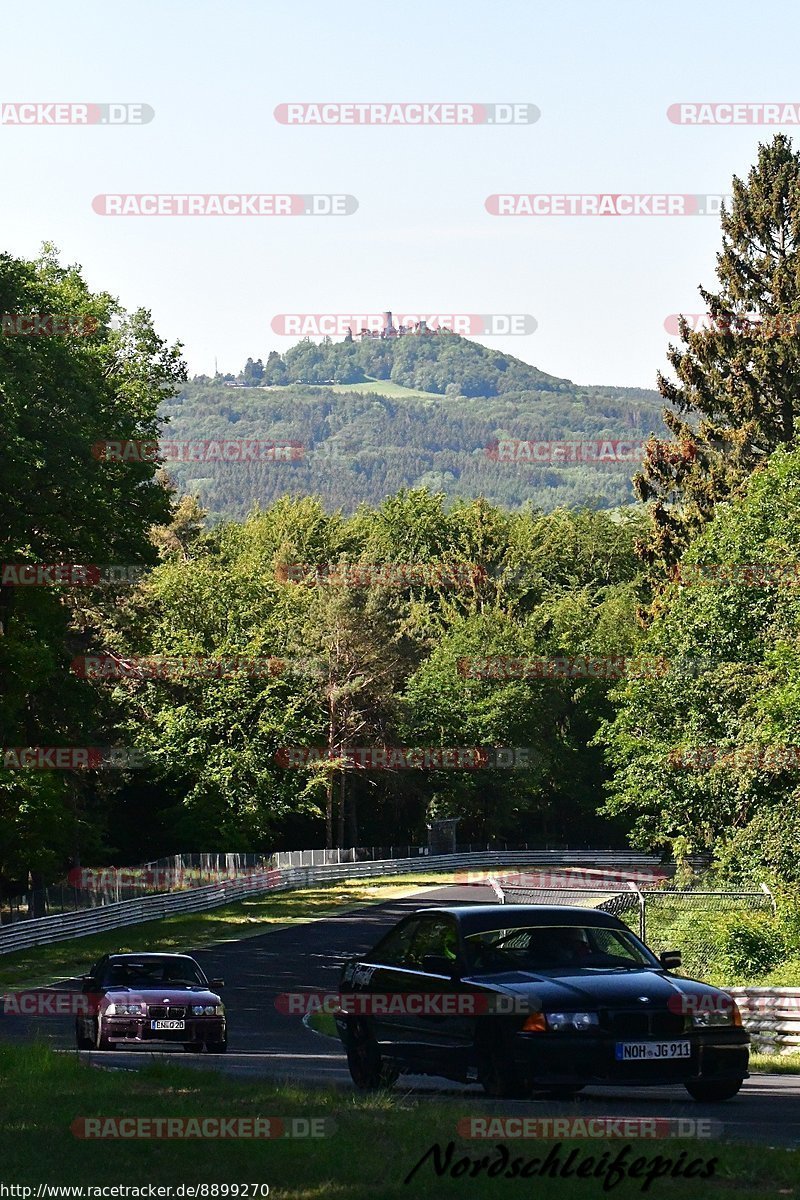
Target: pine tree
{"x": 738, "y": 392}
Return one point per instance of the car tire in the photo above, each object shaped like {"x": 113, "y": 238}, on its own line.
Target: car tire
{"x": 100, "y": 1041}
{"x": 82, "y": 1042}
{"x": 501, "y": 1078}
{"x": 566, "y": 1092}
{"x": 367, "y": 1069}
{"x": 713, "y": 1093}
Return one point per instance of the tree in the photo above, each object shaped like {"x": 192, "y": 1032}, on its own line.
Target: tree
{"x": 275, "y": 373}
{"x": 361, "y": 666}
{"x": 737, "y": 393}
{"x": 253, "y": 373}
{"x": 99, "y": 377}
{"x": 699, "y": 750}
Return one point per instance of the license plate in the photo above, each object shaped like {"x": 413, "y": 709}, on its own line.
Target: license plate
{"x": 652, "y": 1051}
{"x": 168, "y": 1025}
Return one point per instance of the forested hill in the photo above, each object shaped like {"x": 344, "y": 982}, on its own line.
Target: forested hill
{"x": 436, "y": 362}
{"x": 416, "y": 420}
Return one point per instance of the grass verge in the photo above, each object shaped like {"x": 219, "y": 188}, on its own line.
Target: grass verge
{"x": 189, "y": 931}
{"x": 775, "y": 1064}
{"x": 378, "y": 1139}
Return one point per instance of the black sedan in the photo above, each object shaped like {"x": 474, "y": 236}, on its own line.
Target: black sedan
{"x": 533, "y": 997}
{"x": 150, "y": 1000}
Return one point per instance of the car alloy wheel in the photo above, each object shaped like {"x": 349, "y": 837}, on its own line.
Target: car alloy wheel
{"x": 367, "y": 1069}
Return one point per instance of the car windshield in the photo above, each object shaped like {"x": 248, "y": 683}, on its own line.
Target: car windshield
{"x": 153, "y": 972}
{"x": 556, "y": 948}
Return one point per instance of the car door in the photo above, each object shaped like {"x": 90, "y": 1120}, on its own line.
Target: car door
{"x": 420, "y": 1031}
{"x": 374, "y": 978}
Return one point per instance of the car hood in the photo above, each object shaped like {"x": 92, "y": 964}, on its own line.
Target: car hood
{"x": 165, "y": 995}
{"x": 591, "y": 989}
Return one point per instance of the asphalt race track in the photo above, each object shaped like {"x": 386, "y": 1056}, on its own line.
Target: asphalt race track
{"x": 264, "y": 1042}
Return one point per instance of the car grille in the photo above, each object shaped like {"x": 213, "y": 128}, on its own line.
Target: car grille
{"x": 165, "y": 1011}
{"x": 635, "y": 1022}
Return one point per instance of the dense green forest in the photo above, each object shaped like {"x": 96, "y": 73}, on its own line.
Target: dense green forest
{"x": 359, "y": 448}
{"x": 275, "y": 677}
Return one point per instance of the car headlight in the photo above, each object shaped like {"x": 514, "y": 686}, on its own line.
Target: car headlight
{"x": 729, "y": 1015}
{"x": 125, "y": 1010}
{"x": 572, "y": 1020}
{"x": 207, "y": 1010}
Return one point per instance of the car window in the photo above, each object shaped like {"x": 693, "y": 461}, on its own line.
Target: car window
{"x": 393, "y": 950}
{"x": 549, "y": 947}
{"x": 433, "y": 937}
{"x": 151, "y": 973}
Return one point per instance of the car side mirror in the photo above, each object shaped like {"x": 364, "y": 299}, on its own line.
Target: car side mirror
{"x": 88, "y": 983}
{"x": 439, "y": 964}
{"x": 670, "y": 959}
{"x": 217, "y": 983}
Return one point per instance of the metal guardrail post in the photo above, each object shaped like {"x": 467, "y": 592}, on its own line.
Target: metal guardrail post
{"x": 642, "y": 914}
{"x": 767, "y": 892}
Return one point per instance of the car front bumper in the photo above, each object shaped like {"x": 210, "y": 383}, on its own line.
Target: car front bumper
{"x": 718, "y": 1055}
{"x": 137, "y": 1031}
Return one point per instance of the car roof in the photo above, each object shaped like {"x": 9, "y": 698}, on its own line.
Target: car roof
{"x": 146, "y": 955}
{"x": 479, "y": 918}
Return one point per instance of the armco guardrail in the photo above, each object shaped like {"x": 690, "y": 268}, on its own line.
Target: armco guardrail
{"x": 772, "y": 1015}
{"x": 41, "y": 931}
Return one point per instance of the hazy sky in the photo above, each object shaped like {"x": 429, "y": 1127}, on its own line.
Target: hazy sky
{"x": 421, "y": 241}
